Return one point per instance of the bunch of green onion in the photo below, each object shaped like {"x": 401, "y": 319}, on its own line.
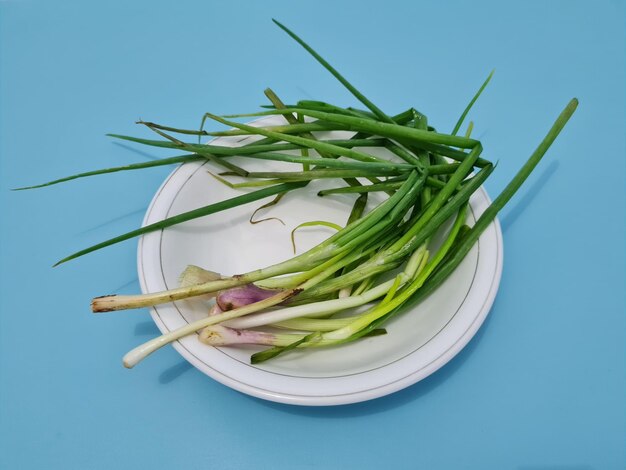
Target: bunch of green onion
{"x": 381, "y": 261}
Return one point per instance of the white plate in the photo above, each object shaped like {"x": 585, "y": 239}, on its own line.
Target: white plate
{"x": 418, "y": 342}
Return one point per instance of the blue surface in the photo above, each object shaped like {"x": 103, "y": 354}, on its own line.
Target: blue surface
{"x": 542, "y": 385}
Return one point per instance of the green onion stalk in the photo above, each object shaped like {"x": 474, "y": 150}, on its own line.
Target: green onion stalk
{"x": 337, "y": 245}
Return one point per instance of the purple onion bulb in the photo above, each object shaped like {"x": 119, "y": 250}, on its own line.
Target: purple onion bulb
{"x": 243, "y": 295}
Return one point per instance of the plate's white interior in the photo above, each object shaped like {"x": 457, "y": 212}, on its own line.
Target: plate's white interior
{"x": 418, "y": 342}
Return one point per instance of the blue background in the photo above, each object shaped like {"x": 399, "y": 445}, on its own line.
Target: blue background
{"x": 541, "y": 386}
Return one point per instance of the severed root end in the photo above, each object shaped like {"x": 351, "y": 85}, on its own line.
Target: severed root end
{"x": 110, "y": 303}
{"x": 104, "y": 303}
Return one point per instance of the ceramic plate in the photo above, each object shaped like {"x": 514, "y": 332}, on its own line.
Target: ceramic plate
{"x": 418, "y": 342}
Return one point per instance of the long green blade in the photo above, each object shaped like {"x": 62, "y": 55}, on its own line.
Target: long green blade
{"x": 302, "y": 141}
{"x": 221, "y": 150}
{"x": 190, "y": 215}
{"x": 471, "y": 103}
{"x": 377, "y": 111}
{"x": 332, "y": 163}
{"x": 372, "y": 127}
{"x": 132, "y": 166}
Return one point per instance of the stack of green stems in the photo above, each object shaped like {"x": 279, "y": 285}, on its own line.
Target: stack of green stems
{"x": 332, "y": 252}
{"x": 429, "y": 214}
